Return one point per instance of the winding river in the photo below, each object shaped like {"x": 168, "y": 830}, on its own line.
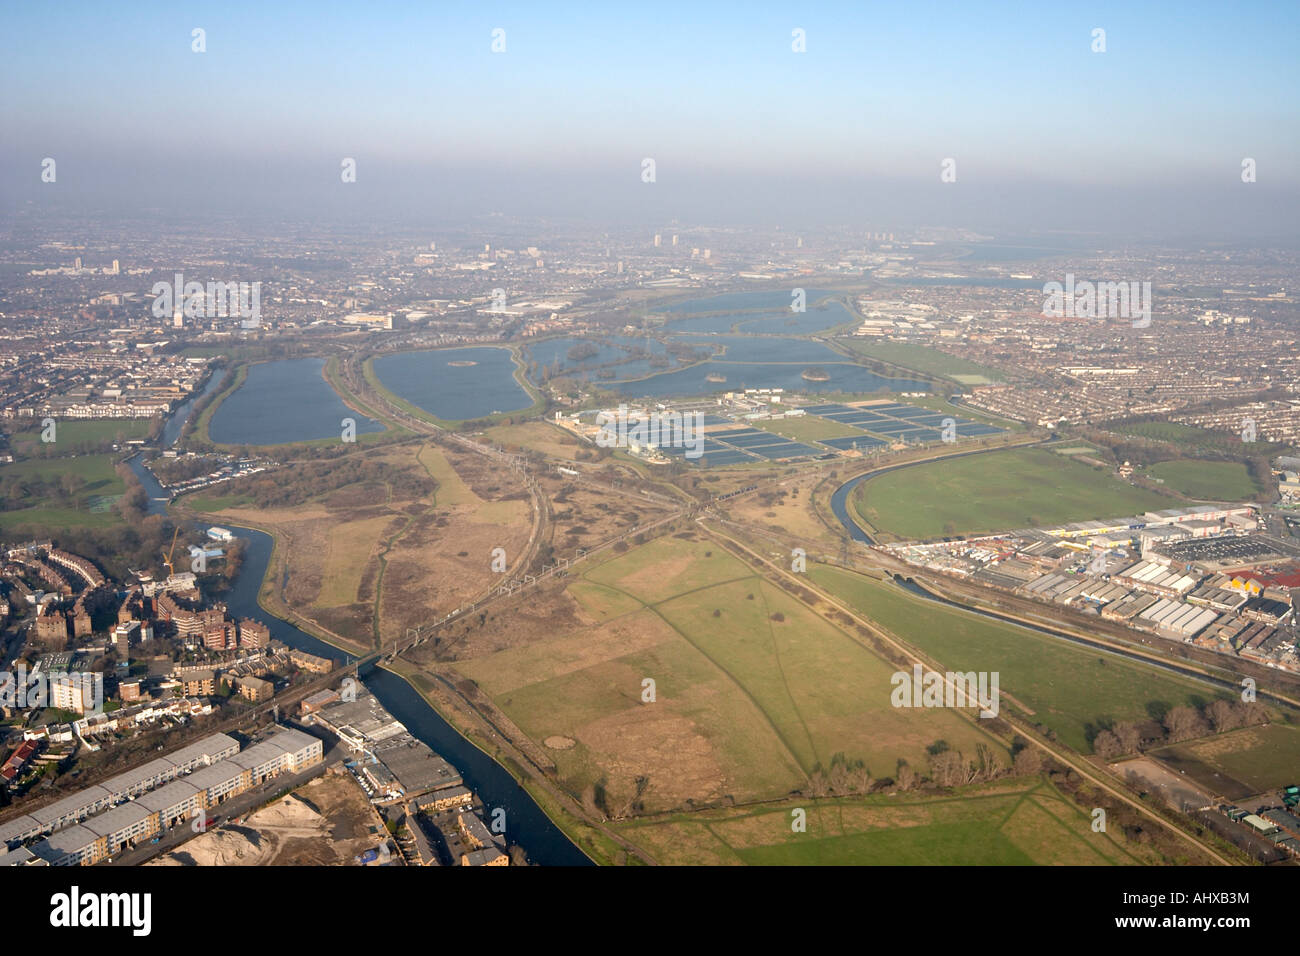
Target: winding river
{"x": 526, "y": 823}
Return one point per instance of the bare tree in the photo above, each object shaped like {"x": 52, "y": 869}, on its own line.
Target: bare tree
{"x": 1251, "y": 713}
{"x": 1221, "y": 715}
{"x": 905, "y": 777}
{"x": 1106, "y": 745}
{"x": 818, "y": 783}
{"x": 1182, "y": 723}
{"x": 839, "y": 775}
{"x": 1130, "y": 738}
{"x": 948, "y": 769}
{"x": 1028, "y": 762}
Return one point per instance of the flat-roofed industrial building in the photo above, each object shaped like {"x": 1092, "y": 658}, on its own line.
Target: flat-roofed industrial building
{"x": 142, "y": 779}
{"x": 286, "y": 751}
{"x": 122, "y": 826}
{"x": 81, "y": 837}
{"x": 19, "y": 829}
{"x": 73, "y": 809}
{"x": 179, "y": 800}
{"x": 71, "y": 846}
{"x": 218, "y": 781}
{"x": 203, "y": 752}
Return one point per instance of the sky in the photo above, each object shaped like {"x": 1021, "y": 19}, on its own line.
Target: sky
{"x": 1044, "y": 132}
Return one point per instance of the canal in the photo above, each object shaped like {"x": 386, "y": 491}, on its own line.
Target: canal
{"x": 526, "y": 824}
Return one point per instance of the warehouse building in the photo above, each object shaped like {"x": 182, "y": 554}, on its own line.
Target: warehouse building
{"x": 1129, "y": 607}
{"x": 1214, "y": 593}
{"x": 1266, "y": 611}
{"x": 1156, "y": 579}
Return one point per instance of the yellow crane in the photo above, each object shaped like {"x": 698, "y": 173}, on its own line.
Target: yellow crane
{"x": 167, "y": 558}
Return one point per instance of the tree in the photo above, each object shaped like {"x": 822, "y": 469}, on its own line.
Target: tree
{"x": 839, "y": 774}
{"x": 818, "y": 783}
{"x": 1182, "y": 723}
{"x": 1221, "y": 715}
{"x": 1106, "y": 745}
{"x": 1027, "y": 762}
{"x": 71, "y": 486}
{"x": 905, "y": 777}
{"x": 1130, "y": 738}
{"x": 1251, "y": 712}
{"x": 948, "y": 768}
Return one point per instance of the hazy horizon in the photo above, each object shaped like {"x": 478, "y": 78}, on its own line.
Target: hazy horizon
{"x": 1145, "y": 139}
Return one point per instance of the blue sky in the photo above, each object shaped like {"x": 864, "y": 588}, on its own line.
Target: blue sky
{"x": 1013, "y": 92}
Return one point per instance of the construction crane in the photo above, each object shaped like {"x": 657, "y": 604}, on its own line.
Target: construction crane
{"x": 167, "y": 558}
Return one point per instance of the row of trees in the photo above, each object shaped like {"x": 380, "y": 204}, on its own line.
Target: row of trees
{"x": 1179, "y": 724}
{"x": 945, "y": 768}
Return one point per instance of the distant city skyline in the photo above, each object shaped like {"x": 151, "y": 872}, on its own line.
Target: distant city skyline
{"x": 1145, "y": 138}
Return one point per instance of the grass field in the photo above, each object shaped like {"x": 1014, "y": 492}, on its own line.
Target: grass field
{"x": 748, "y": 700}
{"x": 72, "y": 433}
{"x": 452, "y": 489}
{"x": 349, "y": 549}
{"x": 924, "y": 359}
{"x": 1018, "y": 821}
{"x": 1072, "y": 690}
{"x": 996, "y": 492}
{"x": 50, "y": 513}
{"x": 1171, "y": 431}
{"x": 546, "y": 438}
{"x": 1257, "y": 758}
{"x": 211, "y": 502}
{"x": 1208, "y": 480}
